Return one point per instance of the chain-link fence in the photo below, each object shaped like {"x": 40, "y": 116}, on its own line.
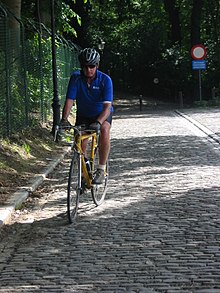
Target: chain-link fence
{"x": 26, "y": 72}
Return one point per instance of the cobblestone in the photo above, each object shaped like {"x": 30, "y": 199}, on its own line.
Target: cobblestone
{"x": 156, "y": 232}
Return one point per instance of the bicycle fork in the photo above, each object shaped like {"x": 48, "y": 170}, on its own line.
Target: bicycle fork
{"x": 79, "y": 187}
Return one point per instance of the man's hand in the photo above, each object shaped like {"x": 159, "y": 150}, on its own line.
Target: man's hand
{"x": 64, "y": 123}
{"x": 95, "y": 126}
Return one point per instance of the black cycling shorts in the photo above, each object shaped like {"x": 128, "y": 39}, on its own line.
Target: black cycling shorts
{"x": 89, "y": 120}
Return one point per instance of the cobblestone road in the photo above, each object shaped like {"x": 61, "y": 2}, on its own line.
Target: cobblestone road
{"x": 157, "y": 231}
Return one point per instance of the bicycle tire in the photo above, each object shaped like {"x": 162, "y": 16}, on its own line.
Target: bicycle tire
{"x": 99, "y": 190}
{"x": 73, "y": 189}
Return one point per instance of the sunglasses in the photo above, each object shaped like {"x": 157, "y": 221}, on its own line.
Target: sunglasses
{"x": 89, "y": 66}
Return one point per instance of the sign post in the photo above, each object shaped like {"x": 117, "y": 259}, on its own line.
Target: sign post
{"x": 198, "y": 53}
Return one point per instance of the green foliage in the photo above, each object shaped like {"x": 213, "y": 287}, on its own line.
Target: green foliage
{"x": 64, "y": 19}
{"x": 66, "y": 14}
{"x": 207, "y": 103}
{"x": 138, "y": 45}
{"x": 26, "y": 147}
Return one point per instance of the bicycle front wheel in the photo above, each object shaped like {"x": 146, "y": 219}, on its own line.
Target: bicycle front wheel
{"x": 73, "y": 189}
{"x": 99, "y": 190}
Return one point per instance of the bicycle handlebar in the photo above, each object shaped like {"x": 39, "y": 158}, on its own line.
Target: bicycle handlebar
{"x": 77, "y": 128}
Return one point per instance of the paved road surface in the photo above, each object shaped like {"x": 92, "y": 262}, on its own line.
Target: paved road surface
{"x": 157, "y": 231}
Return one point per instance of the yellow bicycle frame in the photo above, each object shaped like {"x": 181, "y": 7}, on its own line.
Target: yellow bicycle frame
{"x": 79, "y": 138}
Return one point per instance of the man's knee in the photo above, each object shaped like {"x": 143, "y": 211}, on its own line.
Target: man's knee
{"x": 105, "y": 129}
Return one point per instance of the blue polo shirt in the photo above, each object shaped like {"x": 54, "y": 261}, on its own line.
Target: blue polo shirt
{"x": 89, "y": 100}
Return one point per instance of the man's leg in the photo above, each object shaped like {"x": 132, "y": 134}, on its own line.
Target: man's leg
{"x": 104, "y": 147}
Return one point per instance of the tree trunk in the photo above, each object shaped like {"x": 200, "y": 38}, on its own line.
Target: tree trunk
{"x": 196, "y": 21}
{"x": 44, "y": 12}
{"x": 173, "y": 12}
{"x": 82, "y": 10}
{"x": 15, "y": 7}
{"x": 14, "y": 15}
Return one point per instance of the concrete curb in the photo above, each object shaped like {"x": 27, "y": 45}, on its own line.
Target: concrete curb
{"x": 204, "y": 129}
{"x": 21, "y": 195}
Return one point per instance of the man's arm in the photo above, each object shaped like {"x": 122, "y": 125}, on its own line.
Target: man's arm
{"x": 67, "y": 108}
{"x": 105, "y": 112}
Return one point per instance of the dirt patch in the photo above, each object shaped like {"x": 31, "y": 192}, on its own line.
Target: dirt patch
{"x": 24, "y": 155}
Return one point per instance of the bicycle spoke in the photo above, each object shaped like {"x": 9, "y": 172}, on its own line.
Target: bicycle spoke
{"x": 73, "y": 190}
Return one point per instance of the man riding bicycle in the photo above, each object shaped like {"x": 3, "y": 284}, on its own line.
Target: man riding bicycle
{"x": 92, "y": 90}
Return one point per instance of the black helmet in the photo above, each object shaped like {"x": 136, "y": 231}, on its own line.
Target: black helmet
{"x": 89, "y": 56}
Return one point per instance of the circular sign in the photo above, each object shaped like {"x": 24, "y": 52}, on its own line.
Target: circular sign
{"x": 156, "y": 80}
{"x": 198, "y": 52}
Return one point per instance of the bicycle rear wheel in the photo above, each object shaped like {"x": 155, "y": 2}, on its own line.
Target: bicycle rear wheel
{"x": 99, "y": 190}
{"x": 73, "y": 189}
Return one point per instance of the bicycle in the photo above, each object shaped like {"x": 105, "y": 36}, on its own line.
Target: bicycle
{"x": 82, "y": 170}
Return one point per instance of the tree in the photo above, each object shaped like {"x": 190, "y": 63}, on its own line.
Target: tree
{"x": 196, "y": 21}
{"x": 14, "y": 13}
{"x": 80, "y": 22}
{"x": 174, "y": 18}
{"x": 15, "y": 7}
{"x": 144, "y": 39}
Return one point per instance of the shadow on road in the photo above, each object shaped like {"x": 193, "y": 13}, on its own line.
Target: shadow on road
{"x": 158, "y": 227}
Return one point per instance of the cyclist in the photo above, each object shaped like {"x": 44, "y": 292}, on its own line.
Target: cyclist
{"x": 92, "y": 90}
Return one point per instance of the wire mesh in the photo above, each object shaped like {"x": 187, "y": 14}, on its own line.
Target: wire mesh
{"x": 26, "y": 72}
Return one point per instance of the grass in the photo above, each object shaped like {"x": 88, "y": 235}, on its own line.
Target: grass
{"x": 24, "y": 155}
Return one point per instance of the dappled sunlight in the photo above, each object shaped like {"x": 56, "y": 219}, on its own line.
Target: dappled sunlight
{"x": 152, "y": 164}
{"x": 146, "y": 125}
{"x": 159, "y": 221}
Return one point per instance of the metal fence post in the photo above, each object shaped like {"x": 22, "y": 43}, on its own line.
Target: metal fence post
{"x": 56, "y": 101}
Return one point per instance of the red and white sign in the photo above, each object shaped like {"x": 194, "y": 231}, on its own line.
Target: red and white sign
{"x": 198, "y": 52}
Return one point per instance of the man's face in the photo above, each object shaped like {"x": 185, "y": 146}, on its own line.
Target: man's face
{"x": 89, "y": 70}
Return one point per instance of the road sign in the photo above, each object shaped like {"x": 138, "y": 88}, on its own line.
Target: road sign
{"x": 198, "y": 52}
{"x": 156, "y": 80}
{"x": 199, "y": 64}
